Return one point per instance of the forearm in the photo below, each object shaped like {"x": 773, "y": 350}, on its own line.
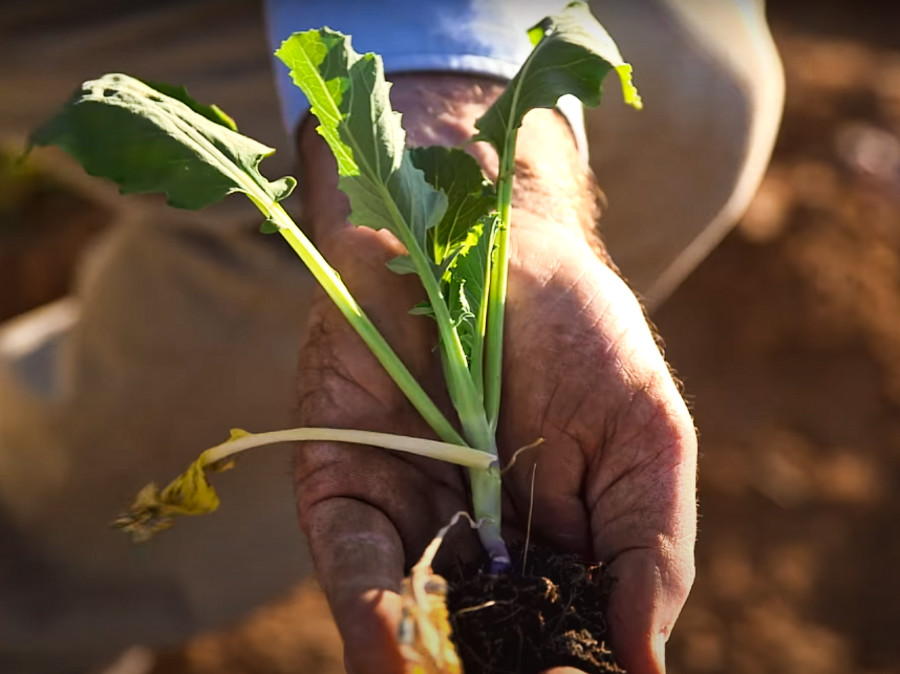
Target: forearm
{"x": 553, "y": 183}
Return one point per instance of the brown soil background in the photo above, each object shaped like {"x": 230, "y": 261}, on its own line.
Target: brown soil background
{"x": 787, "y": 339}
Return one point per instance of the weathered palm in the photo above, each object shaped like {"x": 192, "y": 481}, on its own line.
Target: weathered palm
{"x": 614, "y": 478}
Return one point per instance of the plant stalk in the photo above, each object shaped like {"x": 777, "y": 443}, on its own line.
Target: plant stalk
{"x": 457, "y": 454}
{"x": 486, "y": 495}
{"x": 466, "y": 399}
{"x": 331, "y": 283}
{"x": 499, "y": 280}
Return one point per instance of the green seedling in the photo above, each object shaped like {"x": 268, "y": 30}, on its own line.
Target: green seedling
{"x": 452, "y": 221}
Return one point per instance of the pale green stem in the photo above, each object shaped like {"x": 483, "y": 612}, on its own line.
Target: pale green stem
{"x": 333, "y": 286}
{"x": 443, "y": 451}
{"x": 463, "y": 394}
{"x": 476, "y": 361}
{"x": 493, "y": 378}
{"x": 486, "y": 499}
{"x": 486, "y": 504}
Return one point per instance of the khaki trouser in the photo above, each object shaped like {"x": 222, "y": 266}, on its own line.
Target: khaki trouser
{"x": 183, "y": 325}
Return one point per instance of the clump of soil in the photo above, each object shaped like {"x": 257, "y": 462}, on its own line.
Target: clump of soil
{"x": 551, "y": 615}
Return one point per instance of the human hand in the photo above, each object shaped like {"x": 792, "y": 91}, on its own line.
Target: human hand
{"x": 615, "y": 478}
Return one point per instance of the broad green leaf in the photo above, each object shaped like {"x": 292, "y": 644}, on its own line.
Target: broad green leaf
{"x": 349, "y": 97}
{"x": 469, "y": 197}
{"x": 572, "y": 55}
{"x": 147, "y": 141}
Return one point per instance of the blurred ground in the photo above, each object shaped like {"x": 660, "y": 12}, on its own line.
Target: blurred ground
{"x": 788, "y": 341}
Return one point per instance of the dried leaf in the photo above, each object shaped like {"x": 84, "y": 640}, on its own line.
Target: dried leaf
{"x": 188, "y": 494}
{"x": 424, "y": 631}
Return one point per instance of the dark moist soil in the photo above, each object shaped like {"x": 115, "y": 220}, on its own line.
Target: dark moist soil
{"x": 554, "y": 615}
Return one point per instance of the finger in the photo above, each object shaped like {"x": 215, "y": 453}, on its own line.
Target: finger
{"x": 359, "y": 560}
{"x": 646, "y": 599}
{"x": 644, "y": 518}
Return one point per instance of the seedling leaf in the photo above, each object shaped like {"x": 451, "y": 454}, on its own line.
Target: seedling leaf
{"x": 349, "y": 97}
{"x": 572, "y": 55}
{"x": 469, "y": 197}
{"x": 146, "y": 140}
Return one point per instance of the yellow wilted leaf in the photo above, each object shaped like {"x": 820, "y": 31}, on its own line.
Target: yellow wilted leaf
{"x": 191, "y": 493}
{"x": 153, "y": 510}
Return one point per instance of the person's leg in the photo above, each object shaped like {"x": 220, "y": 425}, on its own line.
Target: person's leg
{"x": 178, "y": 337}
{"x": 181, "y": 335}
{"x": 679, "y": 173}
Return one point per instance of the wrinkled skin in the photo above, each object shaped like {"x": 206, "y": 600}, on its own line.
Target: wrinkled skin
{"x": 615, "y": 478}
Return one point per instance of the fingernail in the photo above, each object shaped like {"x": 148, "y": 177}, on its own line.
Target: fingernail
{"x": 659, "y": 652}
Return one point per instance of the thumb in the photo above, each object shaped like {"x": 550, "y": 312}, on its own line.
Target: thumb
{"x": 646, "y": 600}
{"x": 359, "y": 561}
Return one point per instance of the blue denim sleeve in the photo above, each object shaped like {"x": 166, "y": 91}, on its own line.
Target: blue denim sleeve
{"x": 481, "y": 37}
